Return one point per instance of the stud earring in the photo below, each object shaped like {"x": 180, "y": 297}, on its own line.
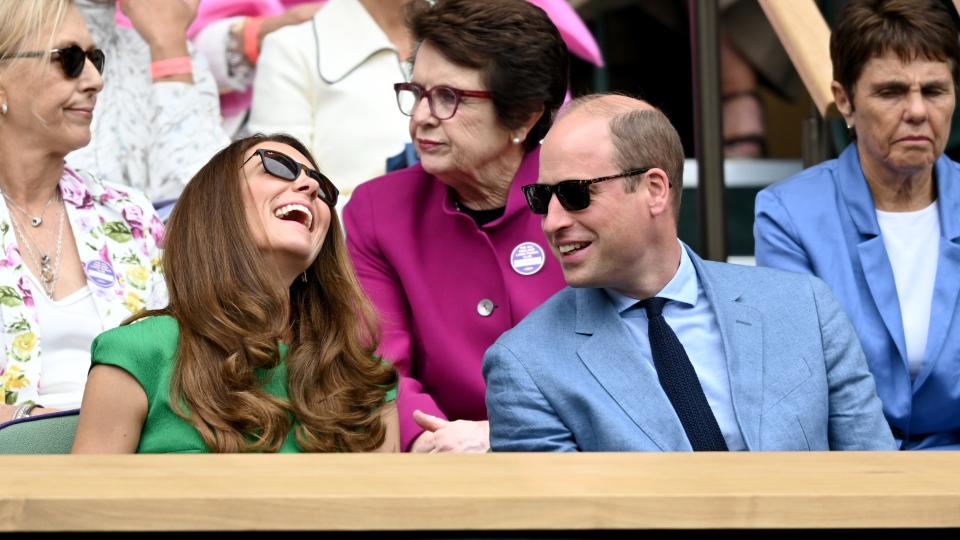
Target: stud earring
{"x": 516, "y": 140}
{"x": 4, "y": 109}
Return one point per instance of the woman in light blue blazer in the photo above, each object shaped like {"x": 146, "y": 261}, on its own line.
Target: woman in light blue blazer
{"x": 881, "y": 224}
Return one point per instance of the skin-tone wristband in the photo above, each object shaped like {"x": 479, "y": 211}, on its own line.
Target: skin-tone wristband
{"x": 168, "y": 67}
{"x": 251, "y": 38}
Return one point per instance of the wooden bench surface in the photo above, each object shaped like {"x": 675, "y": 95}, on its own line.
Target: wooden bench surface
{"x": 480, "y": 492}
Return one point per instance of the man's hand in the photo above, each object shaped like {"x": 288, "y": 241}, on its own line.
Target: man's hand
{"x": 459, "y": 436}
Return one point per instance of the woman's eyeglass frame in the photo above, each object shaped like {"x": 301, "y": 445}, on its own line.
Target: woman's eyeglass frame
{"x": 419, "y": 92}
{"x": 284, "y": 167}
{"x": 72, "y": 59}
{"x": 574, "y": 195}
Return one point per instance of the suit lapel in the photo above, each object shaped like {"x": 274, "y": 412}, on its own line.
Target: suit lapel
{"x": 612, "y": 357}
{"x": 878, "y": 275}
{"x": 874, "y": 263}
{"x": 741, "y": 330}
{"x": 945, "y": 289}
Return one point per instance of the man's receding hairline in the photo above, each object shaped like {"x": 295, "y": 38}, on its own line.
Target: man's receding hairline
{"x": 608, "y": 106}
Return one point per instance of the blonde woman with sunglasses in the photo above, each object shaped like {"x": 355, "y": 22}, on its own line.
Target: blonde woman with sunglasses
{"x": 77, "y": 255}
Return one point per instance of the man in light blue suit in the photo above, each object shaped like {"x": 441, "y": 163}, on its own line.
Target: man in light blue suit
{"x": 652, "y": 348}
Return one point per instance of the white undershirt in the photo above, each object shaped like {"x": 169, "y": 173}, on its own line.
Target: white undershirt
{"x": 912, "y": 240}
{"x": 66, "y": 330}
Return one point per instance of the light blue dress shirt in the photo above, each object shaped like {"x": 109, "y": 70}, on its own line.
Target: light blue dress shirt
{"x": 692, "y": 319}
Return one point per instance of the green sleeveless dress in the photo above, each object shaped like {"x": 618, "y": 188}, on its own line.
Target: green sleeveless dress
{"x": 147, "y": 350}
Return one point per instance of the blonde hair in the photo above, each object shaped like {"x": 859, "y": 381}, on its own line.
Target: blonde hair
{"x": 22, "y": 21}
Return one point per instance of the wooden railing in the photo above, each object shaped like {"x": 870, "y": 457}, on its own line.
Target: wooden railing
{"x": 806, "y": 38}
{"x": 492, "y": 492}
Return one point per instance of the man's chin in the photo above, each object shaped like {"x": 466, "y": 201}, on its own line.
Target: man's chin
{"x": 578, "y": 280}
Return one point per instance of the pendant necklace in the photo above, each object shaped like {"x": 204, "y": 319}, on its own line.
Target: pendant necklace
{"x": 35, "y": 221}
{"x": 49, "y": 267}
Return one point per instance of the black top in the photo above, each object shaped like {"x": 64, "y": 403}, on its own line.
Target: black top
{"x": 482, "y": 217}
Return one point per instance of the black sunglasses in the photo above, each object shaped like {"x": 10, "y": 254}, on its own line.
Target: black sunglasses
{"x": 72, "y": 59}
{"x": 573, "y": 194}
{"x": 285, "y": 167}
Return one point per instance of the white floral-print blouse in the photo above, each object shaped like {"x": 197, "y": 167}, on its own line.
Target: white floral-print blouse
{"x": 119, "y": 238}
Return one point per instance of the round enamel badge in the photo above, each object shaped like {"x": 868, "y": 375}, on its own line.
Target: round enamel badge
{"x": 100, "y": 273}
{"x": 527, "y": 259}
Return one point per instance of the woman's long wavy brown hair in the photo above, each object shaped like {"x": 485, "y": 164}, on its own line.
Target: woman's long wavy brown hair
{"x": 233, "y": 314}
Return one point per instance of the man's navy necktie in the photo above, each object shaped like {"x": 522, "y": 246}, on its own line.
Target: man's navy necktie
{"x": 680, "y": 382}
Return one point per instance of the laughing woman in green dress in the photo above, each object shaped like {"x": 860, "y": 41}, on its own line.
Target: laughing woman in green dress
{"x": 267, "y": 342}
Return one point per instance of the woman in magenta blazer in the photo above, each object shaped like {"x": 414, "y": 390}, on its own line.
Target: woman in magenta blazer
{"x": 447, "y": 250}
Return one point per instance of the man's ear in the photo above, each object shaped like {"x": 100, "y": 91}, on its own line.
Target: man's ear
{"x": 844, "y": 102}
{"x": 657, "y": 185}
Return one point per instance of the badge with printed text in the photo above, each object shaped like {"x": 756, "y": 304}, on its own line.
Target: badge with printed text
{"x": 101, "y": 273}
{"x": 527, "y": 259}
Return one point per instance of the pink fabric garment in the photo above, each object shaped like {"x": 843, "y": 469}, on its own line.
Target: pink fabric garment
{"x": 214, "y": 10}
{"x": 426, "y": 267}
{"x": 574, "y": 32}
{"x": 572, "y": 28}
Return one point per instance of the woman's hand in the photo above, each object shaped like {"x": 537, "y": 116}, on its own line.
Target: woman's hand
{"x": 459, "y": 436}
{"x": 163, "y": 25}
{"x": 294, "y": 15}
{"x": 7, "y": 412}
{"x": 160, "y": 22}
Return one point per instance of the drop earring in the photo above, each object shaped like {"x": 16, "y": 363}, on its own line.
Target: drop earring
{"x": 4, "y": 108}
{"x": 303, "y": 277}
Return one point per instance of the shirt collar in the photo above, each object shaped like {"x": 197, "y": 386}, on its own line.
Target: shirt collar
{"x": 683, "y": 287}
{"x": 347, "y": 36}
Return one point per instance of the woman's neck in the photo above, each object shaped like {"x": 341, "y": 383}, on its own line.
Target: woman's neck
{"x": 29, "y": 179}
{"x": 388, "y": 14}
{"x": 487, "y": 187}
{"x": 899, "y": 191}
